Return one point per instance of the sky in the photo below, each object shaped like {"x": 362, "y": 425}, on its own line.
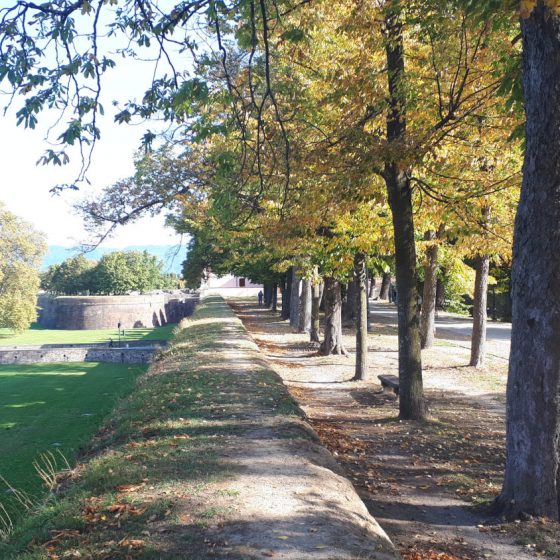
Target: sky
{"x": 24, "y": 186}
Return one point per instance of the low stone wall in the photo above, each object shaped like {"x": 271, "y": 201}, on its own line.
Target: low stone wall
{"x": 105, "y": 312}
{"x": 136, "y": 355}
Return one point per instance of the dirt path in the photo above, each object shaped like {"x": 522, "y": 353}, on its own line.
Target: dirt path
{"x": 425, "y": 482}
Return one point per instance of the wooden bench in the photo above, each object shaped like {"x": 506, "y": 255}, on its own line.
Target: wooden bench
{"x": 390, "y": 382}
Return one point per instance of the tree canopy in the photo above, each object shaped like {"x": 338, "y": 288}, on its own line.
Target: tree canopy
{"x": 116, "y": 273}
{"x": 21, "y": 251}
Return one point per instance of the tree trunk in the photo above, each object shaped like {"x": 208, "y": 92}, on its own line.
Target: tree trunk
{"x": 385, "y": 285}
{"x": 350, "y": 303}
{"x": 274, "y": 303}
{"x": 440, "y": 295}
{"x": 396, "y": 174}
{"x": 478, "y": 338}
{"x": 428, "y": 315}
{"x": 371, "y": 284}
{"x": 287, "y": 294}
{"x": 360, "y": 274}
{"x": 332, "y": 342}
{"x": 294, "y": 299}
{"x": 316, "y": 294}
{"x": 267, "y": 294}
{"x": 531, "y": 482}
{"x": 305, "y": 307}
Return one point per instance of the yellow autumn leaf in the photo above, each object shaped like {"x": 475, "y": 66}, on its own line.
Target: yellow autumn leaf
{"x": 527, "y": 6}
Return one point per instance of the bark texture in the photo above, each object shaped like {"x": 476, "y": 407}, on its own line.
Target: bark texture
{"x": 385, "y": 285}
{"x": 428, "y": 314}
{"x": 371, "y": 284}
{"x": 332, "y": 342}
{"x": 478, "y": 338}
{"x": 360, "y": 275}
{"x": 316, "y": 295}
{"x": 349, "y": 307}
{"x": 531, "y": 481}
{"x": 294, "y": 299}
{"x": 305, "y": 307}
{"x": 286, "y": 295}
{"x": 267, "y": 292}
{"x": 397, "y": 178}
{"x": 274, "y": 302}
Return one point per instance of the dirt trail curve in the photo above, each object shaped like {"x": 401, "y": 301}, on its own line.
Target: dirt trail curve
{"x": 294, "y": 503}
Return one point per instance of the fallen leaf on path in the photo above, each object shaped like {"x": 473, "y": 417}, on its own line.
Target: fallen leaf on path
{"x": 130, "y": 487}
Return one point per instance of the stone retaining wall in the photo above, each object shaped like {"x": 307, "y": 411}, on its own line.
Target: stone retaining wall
{"x": 137, "y": 355}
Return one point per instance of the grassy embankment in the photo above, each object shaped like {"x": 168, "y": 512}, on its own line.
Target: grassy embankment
{"x": 37, "y": 335}
{"x": 155, "y": 475}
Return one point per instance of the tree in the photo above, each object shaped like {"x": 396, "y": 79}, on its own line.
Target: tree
{"x": 21, "y": 251}
{"x": 531, "y": 482}
{"x": 122, "y": 272}
{"x": 70, "y": 277}
{"x": 360, "y": 273}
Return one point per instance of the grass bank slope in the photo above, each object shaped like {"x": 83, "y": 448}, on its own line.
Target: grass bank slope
{"x": 208, "y": 458}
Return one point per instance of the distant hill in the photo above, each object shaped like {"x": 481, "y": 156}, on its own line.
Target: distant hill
{"x": 167, "y": 253}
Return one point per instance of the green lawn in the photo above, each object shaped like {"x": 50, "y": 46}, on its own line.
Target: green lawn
{"x": 56, "y": 408}
{"x": 38, "y": 335}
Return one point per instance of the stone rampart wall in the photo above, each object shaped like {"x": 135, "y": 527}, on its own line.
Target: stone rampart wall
{"x": 105, "y": 312}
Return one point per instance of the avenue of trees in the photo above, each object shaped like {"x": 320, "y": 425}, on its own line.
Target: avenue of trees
{"x": 116, "y": 273}
{"x": 314, "y": 143}
{"x": 21, "y": 251}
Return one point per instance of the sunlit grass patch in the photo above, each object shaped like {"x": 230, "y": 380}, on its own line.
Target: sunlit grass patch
{"x": 37, "y": 335}
{"x": 53, "y": 409}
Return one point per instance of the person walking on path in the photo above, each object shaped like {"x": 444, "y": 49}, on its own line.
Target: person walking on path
{"x": 260, "y": 296}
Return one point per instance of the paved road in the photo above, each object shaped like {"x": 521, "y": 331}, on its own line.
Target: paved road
{"x": 453, "y": 326}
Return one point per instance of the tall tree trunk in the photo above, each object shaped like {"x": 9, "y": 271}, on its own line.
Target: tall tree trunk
{"x": 360, "y": 274}
{"x": 385, "y": 285}
{"x": 274, "y": 303}
{"x": 531, "y": 482}
{"x": 305, "y": 307}
{"x": 287, "y": 294}
{"x": 316, "y": 294}
{"x": 397, "y": 178}
{"x": 332, "y": 342}
{"x": 267, "y": 294}
{"x": 369, "y": 281}
{"x": 371, "y": 284}
{"x": 478, "y": 338}
{"x": 349, "y": 306}
{"x": 294, "y": 299}
{"x": 428, "y": 314}
{"x": 440, "y": 295}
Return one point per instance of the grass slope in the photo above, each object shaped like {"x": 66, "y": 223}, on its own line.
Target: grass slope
{"x": 53, "y": 408}
{"x": 155, "y": 476}
{"x": 37, "y": 335}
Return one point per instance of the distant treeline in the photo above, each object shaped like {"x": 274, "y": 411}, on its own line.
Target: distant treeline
{"x": 116, "y": 273}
